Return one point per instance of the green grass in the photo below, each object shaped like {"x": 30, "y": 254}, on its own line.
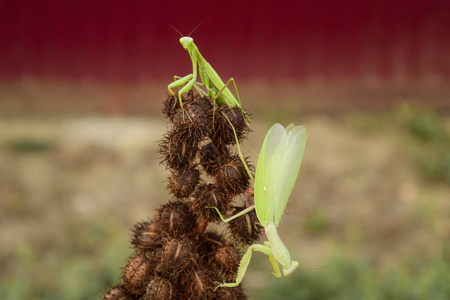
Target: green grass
{"x": 28, "y": 145}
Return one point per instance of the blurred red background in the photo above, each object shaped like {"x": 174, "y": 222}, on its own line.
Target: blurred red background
{"x": 132, "y": 40}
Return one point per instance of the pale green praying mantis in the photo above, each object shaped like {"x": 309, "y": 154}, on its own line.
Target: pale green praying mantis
{"x": 276, "y": 172}
{"x": 215, "y": 86}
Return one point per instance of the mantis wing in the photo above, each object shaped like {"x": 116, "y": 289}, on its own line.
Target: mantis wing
{"x": 278, "y": 166}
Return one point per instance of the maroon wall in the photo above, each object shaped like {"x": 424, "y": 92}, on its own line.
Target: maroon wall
{"x": 132, "y": 39}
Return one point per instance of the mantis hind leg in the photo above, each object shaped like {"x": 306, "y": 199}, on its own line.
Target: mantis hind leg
{"x": 226, "y": 86}
{"x": 243, "y": 265}
{"x": 241, "y": 156}
{"x": 237, "y": 94}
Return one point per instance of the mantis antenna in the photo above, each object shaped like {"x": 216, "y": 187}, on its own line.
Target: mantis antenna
{"x": 192, "y": 31}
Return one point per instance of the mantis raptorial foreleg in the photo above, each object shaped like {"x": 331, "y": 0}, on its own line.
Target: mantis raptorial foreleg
{"x": 188, "y": 81}
{"x": 181, "y": 81}
{"x": 243, "y": 265}
{"x": 178, "y": 81}
{"x": 196, "y": 86}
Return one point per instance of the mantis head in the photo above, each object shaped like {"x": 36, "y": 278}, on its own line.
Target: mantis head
{"x": 186, "y": 41}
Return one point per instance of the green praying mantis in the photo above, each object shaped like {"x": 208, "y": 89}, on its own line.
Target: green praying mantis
{"x": 215, "y": 86}
{"x": 276, "y": 172}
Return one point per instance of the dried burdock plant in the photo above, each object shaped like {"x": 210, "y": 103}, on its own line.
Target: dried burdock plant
{"x": 234, "y": 293}
{"x": 175, "y": 255}
{"x": 175, "y": 218}
{"x": 232, "y": 176}
{"x": 211, "y": 158}
{"x": 223, "y": 133}
{"x": 146, "y": 235}
{"x": 206, "y": 245}
{"x": 208, "y": 195}
{"x": 194, "y": 119}
{"x": 245, "y": 229}
{"x": 227, "y": 259}
{"x": 159, "y": 288}
{"x": 170, "y": 107}
{"x": 136, "y": 274}
{"x": 200, "y": 283}
{"x": 179, "y": 150}
{"x": 119, "y": 292}
{"x": 183, "y": 182}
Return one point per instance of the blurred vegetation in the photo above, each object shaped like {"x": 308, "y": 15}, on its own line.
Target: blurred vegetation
{"x": 428, "y": 143}
{"x": 77, "y": 264}
{"x": 426, "y": 137}
{"x": 349, "y": 279}
{"x": 28, "y": 145}
{"x": 316, "y": 222}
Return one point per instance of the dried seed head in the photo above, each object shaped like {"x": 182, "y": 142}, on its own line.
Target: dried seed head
{"x": 227, "y": 259}
{"x": 232, "y": 176}
{"x": 136, "y": 273}
{"x": 175, "y": 218}
{"x": 199, "y": 284}
{"x": 206, "y": 196}
{"x": 170, "y": 106}
{"x": 159, "y": 288}
{"x": 245, "y": 229}
{"x": 211, "y": 157}
{"x": 233, "y": 293}
{"x": 178, "y": 149}
{"x": 146, "y": 235}
{"x": 223, "y": 132}
{"x": 176, "y": 257}
{"x": 193, "y": 119}
{"x": 183, "y": 182}
{"x": 118, "y": 292}
{"x": 206, "y": 246}
{"x": 207, "y": 104}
